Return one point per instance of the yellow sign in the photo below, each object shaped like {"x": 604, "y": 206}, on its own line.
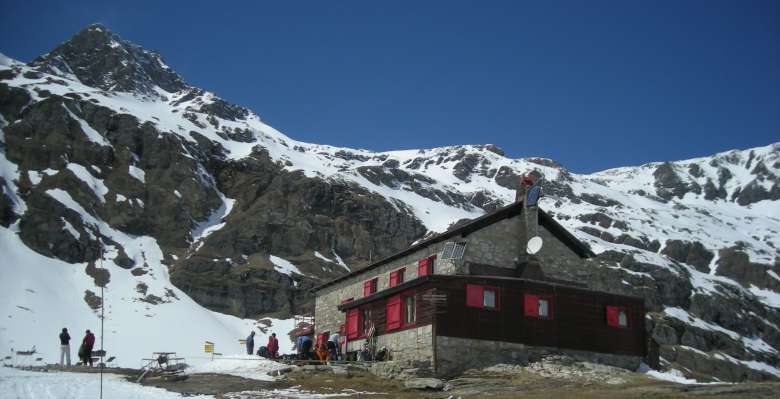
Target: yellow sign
{"x": 208, "y": 347}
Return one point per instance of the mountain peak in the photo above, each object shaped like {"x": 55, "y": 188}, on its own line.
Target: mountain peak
{"x": 100, "y": 58}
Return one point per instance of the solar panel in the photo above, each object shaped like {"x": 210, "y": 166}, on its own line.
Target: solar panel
{"x": 448, "y": 249}
{"x": 459, "y": 249}
{"x": 453, "y": 250}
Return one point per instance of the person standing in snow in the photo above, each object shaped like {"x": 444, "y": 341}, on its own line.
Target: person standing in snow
{"x": 250, "y": 343}
{"x": 64, "y": 347}
{"x": 88, "y": 343}
{"x": 273, "y": 346}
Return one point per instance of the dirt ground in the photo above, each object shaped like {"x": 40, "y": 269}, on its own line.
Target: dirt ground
{"x": 523, "y": 385}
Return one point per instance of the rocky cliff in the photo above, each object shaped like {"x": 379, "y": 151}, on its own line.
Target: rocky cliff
{"x": 101, "y": 137}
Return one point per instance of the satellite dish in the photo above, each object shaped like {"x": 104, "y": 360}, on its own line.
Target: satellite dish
{"x": 534, "y": 245}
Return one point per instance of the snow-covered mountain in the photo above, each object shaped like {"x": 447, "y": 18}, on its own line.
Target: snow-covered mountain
{"x": 189, "y": 196}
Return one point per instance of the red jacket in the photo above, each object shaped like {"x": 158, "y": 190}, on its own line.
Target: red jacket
{"x": 89, "y": 340}
{"x": 273, "y": 345}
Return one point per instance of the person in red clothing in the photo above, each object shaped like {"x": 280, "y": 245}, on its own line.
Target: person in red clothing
{"x": 273, "y": 346}
{"x": 88, "y": 343}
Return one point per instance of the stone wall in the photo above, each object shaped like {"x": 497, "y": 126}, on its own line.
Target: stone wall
{"x": 327, "y": 317}
{"x": 499, "y": 244}
{"x": 413, "y": 347}
{"x": 455, "y": 355}
{"x": 559, "y": 261}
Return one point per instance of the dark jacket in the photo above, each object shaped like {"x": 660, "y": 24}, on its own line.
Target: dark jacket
{"x": 64, "y": 338}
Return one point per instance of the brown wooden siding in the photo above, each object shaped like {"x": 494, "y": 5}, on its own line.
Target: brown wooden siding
{"x": 424, "y": 316}
{"x": 578, "y": 322}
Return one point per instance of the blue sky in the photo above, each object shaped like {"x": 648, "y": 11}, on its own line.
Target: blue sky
{"x": 591, "y": 84}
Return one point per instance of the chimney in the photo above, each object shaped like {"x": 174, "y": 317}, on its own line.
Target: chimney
{"x": 530, "y": 216}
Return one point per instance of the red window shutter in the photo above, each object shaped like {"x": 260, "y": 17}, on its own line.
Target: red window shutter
{"x": 394, "y": 312}
{"x": 352, "y": 323}
{"x": 531, "y": 305}
{"x": 393, "y": 279}
{"x": 425, "y": 266}
{"x": 474, "y": 295}
{"x": 369, "y": 287}
{"x": 431, "y": 260}
{"x": 612, "y": 316}
{"x": 422, "y": 267}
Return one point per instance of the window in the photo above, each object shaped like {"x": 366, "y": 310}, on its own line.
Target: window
{"x": 401, "y": 311}
{"x": 481, "y": 296}
{"x": 453, "y": 250}
{"x": 396, "y": 277}
{"x": 489, "y": 298}
{"x": 539, "y": 306}
{"x": 425, "y": 266}
{"x": 410, "y": 310}
{"x": 369, "y": 286}
{"x": 617, "y": 316}
{"x": 544, "y": 308}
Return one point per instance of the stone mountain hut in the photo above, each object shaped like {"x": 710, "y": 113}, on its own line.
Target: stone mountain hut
{"x": 474, "y": 296}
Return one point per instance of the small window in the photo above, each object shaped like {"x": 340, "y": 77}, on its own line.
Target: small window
{"x": 544, "y": 308}
{"x": 453, "y": 250}
{"x": 369, "y": 286}
{"x": 539, "y": 306}
{"x": 489, "y": 298}
{"x": 396, "y": 277}
{"x": 481, "y": 296}
{"x": 617, "y": 316}
{"x": 425, "y": 266}
{"x": 410, "y": 310}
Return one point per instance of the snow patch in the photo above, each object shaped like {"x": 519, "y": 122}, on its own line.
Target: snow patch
{"x": 92, "y": 134}
{"x": 97, "y": 185}
{"x": 72, "y": 230}
{"x": 216, "y": 220}
{"x": 16, "y": 383}
{"x": 337, "y": 260}
{"x": 284, "y": 267}
{"x": 138, "y": 173}
{"x": 245, "y": 366}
